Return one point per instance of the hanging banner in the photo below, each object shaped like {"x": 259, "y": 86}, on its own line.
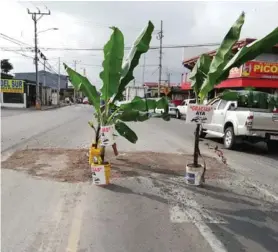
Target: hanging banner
{"x": 12, "y": 86}
{"x": 199, "y": 114}
{"x": 107, "y": 135}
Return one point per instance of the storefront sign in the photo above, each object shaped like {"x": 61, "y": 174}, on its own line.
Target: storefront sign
{"x": 199, "y": 113}
{"x": 12, "y": 86}
{"x": 260, "y": 70}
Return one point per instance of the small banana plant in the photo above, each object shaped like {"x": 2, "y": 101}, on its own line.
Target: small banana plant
{"x": 210, "y": 71}
{"x": 117, "y": 73}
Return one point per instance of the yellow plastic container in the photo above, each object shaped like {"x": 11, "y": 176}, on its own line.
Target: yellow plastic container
{"x": 94, "y": 156}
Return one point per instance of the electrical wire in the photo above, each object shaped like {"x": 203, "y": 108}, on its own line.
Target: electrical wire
{"x": 20, "y": 43}
{"x": 126, "y": 48}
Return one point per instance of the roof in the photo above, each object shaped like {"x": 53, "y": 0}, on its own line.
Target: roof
{"x": 190, "y": 63}
{"x": 51, "y": 80}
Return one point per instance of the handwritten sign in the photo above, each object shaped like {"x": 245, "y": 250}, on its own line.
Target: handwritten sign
{"x": 98, "y": 174}
{"x": 107, "y": 135}
{"x": 199, "y": 114}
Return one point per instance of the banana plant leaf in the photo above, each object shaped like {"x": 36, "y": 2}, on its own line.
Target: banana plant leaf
{"x": 140, "y": 46}
{"x": 200, "y": 72}
{"x": 252, "y": 99}
{"x": 222, "y": 57}
{"x": 250, "y": 52}
{"x": 142, "y": 104}
{"x": 112, "y": 64}
{"x": 126, "y": 132}
{"x": 83, "y": 84}
{"x": 133, "y": 116}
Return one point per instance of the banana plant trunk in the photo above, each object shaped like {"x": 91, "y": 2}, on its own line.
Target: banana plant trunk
{"x": 102, "y": 154}
{"x": 196, "y": 146}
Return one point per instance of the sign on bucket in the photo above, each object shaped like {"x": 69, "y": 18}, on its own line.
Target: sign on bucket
{"x": 100, "y": 174}
{"x": 199, "y": 113}
{"x": 107, "y": 135}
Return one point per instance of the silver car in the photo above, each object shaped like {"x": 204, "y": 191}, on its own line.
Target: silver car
{"x": 172, "y": 110}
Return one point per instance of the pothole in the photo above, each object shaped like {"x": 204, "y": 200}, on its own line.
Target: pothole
{"x": 71, "y": 165}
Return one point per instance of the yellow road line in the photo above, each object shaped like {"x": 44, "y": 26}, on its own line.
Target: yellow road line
{"x": 75, "y": 229}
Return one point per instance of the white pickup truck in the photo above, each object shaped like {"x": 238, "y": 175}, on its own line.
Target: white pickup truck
{"x": 236, "y": 124}
{"x": 181, "y": 110}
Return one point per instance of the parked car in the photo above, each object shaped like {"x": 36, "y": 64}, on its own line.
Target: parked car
{"x": 236, "y": 123}
{"x": 172, "y": 110}
{"x": 181, "y": 110}
{"x": 85, "y": 100}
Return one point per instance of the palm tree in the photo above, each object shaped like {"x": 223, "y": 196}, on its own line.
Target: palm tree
{"x": 6, "y": 66}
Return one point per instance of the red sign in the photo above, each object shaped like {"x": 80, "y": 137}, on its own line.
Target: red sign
{"x": 258, "y": 69}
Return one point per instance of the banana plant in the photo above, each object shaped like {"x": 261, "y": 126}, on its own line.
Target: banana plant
{"x": 252, "y": 98}
{"x": 116, "y": 75}
{"x": 209, "y": 72}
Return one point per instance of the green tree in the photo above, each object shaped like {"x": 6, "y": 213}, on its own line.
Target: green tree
{"x": 6, "y": 66}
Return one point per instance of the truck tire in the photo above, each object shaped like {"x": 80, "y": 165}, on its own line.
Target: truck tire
{"x": 272, "y": 146}
{"x": 178, "y": 115}
{"x": 229, "y": 138}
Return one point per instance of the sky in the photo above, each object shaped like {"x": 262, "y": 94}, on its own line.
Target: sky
{"x": 86, "y": 25}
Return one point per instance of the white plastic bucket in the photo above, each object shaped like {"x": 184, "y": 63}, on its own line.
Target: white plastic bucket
{"x": 193, "y": 176}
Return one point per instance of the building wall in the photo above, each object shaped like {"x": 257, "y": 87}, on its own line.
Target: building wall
{"x": 13, "y": 105}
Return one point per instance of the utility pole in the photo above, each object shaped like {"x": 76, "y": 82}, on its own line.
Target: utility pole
{"x": 59, "y": 82}
{"x": 44, "y": 82}
{"x": 74, "y": 92}
{"x": 160, "y": 37}
{"x": 36, "y": 16}
{"x": 143, "y": 70}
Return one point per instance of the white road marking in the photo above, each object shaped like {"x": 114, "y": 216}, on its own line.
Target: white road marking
{"x": 263, "y": 191}
{"x": 193, "y": 215}
{"x": 180, "y": 214}
{"x": 187, "y": 210}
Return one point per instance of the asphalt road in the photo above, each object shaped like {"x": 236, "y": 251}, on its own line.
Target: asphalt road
{"x": 157, "y": 213}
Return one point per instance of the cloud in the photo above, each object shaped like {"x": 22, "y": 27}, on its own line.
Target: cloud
{"x": 86, "y": 25}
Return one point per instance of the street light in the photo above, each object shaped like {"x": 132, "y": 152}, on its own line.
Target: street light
{"x": 50, "y": 29}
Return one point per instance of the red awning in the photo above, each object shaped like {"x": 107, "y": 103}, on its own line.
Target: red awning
{"x": 248, "y": 82}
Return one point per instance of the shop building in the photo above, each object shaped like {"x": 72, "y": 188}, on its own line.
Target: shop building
{"x": 48, "y": 87}
{"x": 260, "y": 73}
{"x": 13, "y": 93}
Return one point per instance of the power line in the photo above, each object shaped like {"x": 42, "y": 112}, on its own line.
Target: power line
{"x": 126, "y": 48}
{"x": 20, "y": 43}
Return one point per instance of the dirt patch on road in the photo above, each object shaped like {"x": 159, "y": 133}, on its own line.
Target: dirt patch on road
{"x": 70, "y": 165}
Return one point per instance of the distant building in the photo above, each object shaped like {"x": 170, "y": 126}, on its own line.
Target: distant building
{"x": 48, "y": 83}
{"x": 260, "y": 73}
{"x": 45, "y": 78}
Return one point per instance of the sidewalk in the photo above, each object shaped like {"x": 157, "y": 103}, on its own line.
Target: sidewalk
{"x": 50, "y": 107}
